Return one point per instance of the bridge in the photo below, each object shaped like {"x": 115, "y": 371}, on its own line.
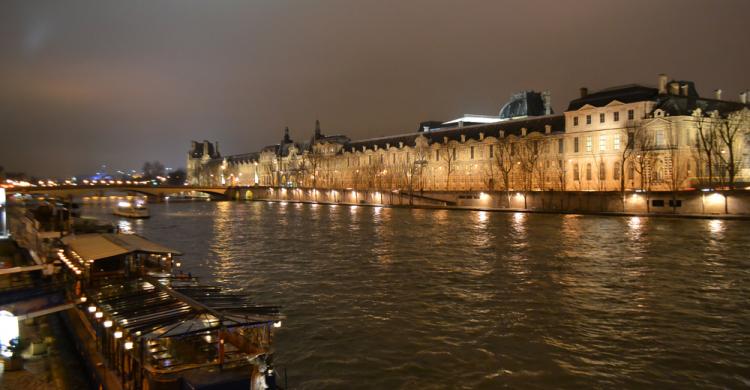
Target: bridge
{"x": 159, "y": 192}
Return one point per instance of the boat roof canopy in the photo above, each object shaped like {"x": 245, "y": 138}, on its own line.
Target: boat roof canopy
{"x": 99, "y": 246}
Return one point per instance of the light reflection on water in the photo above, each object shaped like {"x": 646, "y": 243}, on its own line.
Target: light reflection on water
{"x": 397, "y": 298}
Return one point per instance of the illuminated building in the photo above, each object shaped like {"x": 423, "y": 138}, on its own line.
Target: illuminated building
{"x": 637, "y": 136}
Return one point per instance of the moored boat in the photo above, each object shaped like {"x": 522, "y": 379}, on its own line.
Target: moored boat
{"x": 135, "y": 209}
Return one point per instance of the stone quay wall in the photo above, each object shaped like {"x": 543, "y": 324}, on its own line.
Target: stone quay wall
{"x": 736, "y": 202}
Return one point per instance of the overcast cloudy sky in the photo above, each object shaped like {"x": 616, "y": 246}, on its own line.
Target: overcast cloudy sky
{"x": 84, "y": 83}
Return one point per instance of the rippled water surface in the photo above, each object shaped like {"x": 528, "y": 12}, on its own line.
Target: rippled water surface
{"x": 380, "y": 298}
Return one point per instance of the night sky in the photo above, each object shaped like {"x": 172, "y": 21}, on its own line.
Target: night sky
{"x": 85, "y": 83}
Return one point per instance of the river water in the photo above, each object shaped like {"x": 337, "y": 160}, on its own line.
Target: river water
{"x": 380, "y": 298}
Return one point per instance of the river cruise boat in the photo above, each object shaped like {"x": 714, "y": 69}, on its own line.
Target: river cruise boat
{"x": 141, "y": 325}
{"x": 135, "y": 209}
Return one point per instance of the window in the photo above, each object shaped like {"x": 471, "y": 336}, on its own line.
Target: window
{"x": 369, "y": 160}
{"x": 675, "y": 203}
{"x": 616, "y": 142}
{"x": 454, "y": 153}
{"x": 602, "y": 171}
{"x": 659, "y": 137}
{"x": 576, "y": 173}
{"x": 588, "y": 119}
{"x": 575, "y": 145}
{"x": 472, "y": 152}
{"x": 602, "y": 143}
{"x": 575, "y": 121}
{"x": 348, "y": 161}
{"x": 601, "y": 118}
{"x": 631, "y": 115}
{"x": 437, "y": 155}
{"x": 588, "y": 171}
{"x": 588, "y": 143}
{"x": 616, "y": 170}
{"x": 394, "y": 159}
{"x": 492, "y": 151}
{"x": 560, "y": 146}
{"x": 657, "y": 203}
{"x": 616, "y": 116}
{"x": 381, "y": 158}
{"x": 631, "y": 171}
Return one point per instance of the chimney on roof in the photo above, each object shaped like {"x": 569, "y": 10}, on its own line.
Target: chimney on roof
{"x": 684, "y": 89}
{"x": 547, "y": 99}
{"x": 674, "y": 88}
{"x": 663, "y": 84}
{"x": 584, "y": 92}
{"x": 463, "y": 137}
{"x": 717, "y": 94}
{"x": 501, "y": 134}
{"x": 743, "y": 97}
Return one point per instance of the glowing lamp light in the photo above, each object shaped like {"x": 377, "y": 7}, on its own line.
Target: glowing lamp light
{"x": 277, "y": 324}
{"x": 83, "y": 299}
{"x": 108, "y": 323}
{"x": 92, "y": 309}
{"x": 118, "y": 334}
{"x": 128, "y": 345}
{"x": 123, "y": 204}
{"x": 98, "y": 314}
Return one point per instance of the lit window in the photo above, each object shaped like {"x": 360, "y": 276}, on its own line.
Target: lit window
{"x": 616, "y": 116}
{"x": 660, "y": 138}
{"x": 588, "y": 119}
{"x": 588, "y": 143}
{"x": 602, "y": 143}
{"x": 601, "y": 118}
{"x": 617, "y": 142}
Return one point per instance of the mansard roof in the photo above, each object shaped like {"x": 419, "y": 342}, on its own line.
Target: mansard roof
{"x": 685, "y": 105}
{"x": 243, "y": 158}
{"x": 512, "y": 127}
{"x": 626, "y": 94}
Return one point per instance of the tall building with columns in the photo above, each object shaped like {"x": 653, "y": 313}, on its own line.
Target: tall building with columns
{"x": 630, "y": 137}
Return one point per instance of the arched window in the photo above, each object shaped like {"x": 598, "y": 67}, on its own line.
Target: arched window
{"x": 588, "y": 171}
{"x": 616, "y": 170}
{"x": 602, "y": 171}
{"x": 576, "y": 172}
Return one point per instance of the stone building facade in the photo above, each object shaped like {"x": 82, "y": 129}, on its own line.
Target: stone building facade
{"x": 632, "y": 137}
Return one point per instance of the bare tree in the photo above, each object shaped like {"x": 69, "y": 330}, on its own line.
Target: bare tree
{"x": 529, "y": 152}
{"x": 706, "y": 127}
{"x": 677, "y": 172}
{"x": 449, "y": 157}
{"x": 505, "y": 159}
{"x": 644, "y": 159}
{"x": 730, "y": 130}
